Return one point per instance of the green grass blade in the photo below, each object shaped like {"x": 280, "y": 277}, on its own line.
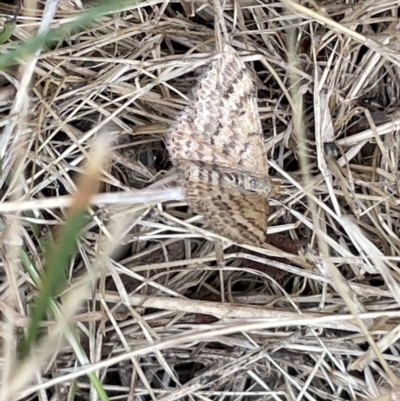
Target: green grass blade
{"x": 57, "y": 262}
{"x": 29, "y": 47}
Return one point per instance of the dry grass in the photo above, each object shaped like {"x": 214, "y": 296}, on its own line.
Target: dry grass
{"x": 158, "y": 311}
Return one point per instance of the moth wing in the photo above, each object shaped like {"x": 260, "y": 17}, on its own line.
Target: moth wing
{"x": 242, "y": 217}
{"x": 221, "y": 125}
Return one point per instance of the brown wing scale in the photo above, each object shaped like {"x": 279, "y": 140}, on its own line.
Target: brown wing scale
{"x": 221, "y": 124}
{"x": 230, "y": 210}
{"x": 241, "y": 217}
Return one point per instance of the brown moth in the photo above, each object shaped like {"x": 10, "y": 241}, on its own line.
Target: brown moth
{"x": 218, "y": 143}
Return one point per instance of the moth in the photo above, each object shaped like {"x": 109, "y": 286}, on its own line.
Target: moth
{"x": 217, "y": 142}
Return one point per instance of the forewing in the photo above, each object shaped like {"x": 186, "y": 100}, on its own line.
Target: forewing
{"x": 241, "y": 217}
{"x": 221, "y": 124}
